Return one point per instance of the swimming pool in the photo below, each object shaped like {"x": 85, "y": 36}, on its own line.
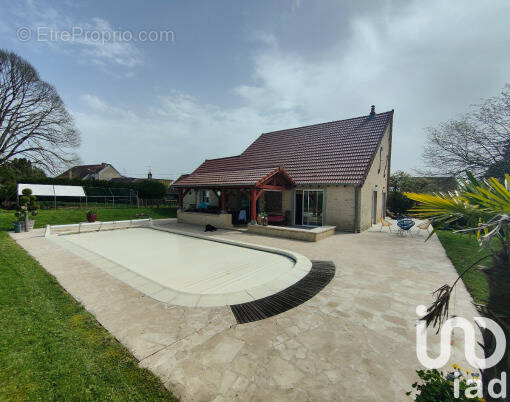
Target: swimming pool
{"x": 187, "y": 269}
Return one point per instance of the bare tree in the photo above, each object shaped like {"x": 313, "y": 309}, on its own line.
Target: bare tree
{"x": 475, "y": 142}
{"x": 34, "y": 122}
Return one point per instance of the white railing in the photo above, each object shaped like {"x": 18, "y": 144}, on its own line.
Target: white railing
{"x": 96, "y": 226}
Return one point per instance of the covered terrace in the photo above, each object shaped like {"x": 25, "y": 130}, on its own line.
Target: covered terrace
{"x": 250, "y": 182}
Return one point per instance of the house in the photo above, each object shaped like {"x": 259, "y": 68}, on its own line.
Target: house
{"x": 124, "y": 179}
{"x": 334, "y": 173}
{"x": 103, "y": 171}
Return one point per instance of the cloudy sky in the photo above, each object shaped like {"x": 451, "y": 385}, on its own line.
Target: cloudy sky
{"x": 168, "y": 84}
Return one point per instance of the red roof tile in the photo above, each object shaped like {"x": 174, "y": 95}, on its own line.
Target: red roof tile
{"x": 335, "y": 152}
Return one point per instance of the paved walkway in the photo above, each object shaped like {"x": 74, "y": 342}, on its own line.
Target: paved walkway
{"x": 355, "y": 340}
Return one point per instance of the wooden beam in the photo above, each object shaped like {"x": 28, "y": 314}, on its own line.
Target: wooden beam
{"x": 271, "y": 187}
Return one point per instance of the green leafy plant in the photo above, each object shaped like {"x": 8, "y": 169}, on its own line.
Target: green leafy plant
{"x": 437, "y": 387}
{"x": 91, "y": 212}
{"x": 483, "y": 205}
{"x": 151, "y": 189}
{"x": 484, "y": 208}
{"x": 26, "y": 205}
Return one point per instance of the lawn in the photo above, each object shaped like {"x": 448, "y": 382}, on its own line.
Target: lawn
{"x": 75, "y": 215}
{"x": 463, "y": 251}
{"x": 51, "y": 348}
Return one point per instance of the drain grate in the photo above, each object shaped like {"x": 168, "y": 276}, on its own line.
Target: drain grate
{"x": 321, "y": 273}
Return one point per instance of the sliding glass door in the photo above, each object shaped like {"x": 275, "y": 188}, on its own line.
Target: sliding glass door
{"x": 309, "y": 206}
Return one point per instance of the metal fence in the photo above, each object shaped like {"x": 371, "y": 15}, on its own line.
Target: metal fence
{"x": 95, "y": 197}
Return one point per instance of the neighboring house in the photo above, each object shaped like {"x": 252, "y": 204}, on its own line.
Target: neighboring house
{"x": 103, "y": 171}
{"x": 334, "y": 173}
{"x": 123, "y": 179}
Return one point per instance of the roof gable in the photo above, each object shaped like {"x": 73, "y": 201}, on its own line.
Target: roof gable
{"x": 82, "y": 171}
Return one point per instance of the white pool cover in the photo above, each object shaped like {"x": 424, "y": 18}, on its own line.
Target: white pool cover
{"x": 186, "y": 269}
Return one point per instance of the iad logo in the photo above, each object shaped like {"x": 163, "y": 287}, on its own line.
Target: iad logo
{"x": 475, "y": 385}
{"x": 469, "y": 341}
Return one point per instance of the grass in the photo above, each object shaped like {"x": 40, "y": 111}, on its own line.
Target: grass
{"x": 62, "y": 216}
{"x": 51, "y": 348}
{"x": 463, "y": 251}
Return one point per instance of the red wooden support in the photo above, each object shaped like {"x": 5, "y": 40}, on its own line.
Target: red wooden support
{"x": 253, "y": 205}
{"x": 181, "y": 198}
{"x": 223, "y": 199}
{"x": 182, "y": 194}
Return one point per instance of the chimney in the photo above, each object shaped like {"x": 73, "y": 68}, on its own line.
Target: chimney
{"x": 149, "y": 176}
{"x": 372, "y": 110}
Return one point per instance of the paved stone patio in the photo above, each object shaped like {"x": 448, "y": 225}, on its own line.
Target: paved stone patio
{"x": 355, "y": 340}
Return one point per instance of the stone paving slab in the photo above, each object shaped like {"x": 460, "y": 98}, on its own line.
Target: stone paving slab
{"x": 355, "y": 340}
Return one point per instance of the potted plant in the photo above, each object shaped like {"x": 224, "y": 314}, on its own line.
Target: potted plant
{"x": 263, "y": 219}
{"x": 26, "y": 205}
{"x": 91, "y": 216}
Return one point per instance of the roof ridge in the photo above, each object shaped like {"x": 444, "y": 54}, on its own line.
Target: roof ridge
{"x": 223, "y": 157}
{"x": 327, "y": 122}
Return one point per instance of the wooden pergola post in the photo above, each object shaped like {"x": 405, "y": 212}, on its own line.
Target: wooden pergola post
{"x": 253, "y": 206}
{"x": 223, "y": 201}
{"x": 254, "y": 196}
{"x": 182, "y": 194}
{"x": 181, "y": 198}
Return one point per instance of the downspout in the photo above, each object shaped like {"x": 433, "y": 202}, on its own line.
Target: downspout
{"x": 356, "y": 209}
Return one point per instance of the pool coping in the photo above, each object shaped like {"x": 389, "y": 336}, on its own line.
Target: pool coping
{"x": 156, "y": 291}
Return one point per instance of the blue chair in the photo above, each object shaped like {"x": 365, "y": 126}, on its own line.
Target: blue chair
{"x": 405, "y": 225}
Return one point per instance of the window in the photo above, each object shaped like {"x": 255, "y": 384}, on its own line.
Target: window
{"x": 204, "y": 195}
{"x": 380, "y": 160}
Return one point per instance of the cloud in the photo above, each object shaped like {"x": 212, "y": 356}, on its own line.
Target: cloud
{"x": 93, "y": 41}
{"x": 173, "y": 136}
{"x": 429, "y": 61}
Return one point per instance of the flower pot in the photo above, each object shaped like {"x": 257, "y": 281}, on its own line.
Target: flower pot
{"x": 265, "y": 221}
{"x": 92, "y": 218}
{"x": 259, "y": 220}
{"x": 17, "y": 227}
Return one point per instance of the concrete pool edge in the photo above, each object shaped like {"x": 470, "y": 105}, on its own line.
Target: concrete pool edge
{"x": 167, "y": 295}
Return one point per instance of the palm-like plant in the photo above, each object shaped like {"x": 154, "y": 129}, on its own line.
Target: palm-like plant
{"x": 483, "y": 205}
{"x": 484, "y": 208}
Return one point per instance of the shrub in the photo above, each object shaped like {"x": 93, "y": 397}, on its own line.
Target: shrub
{"x": 436, "y": 387}
{"x": 151, "y": 189}
{"x": 398, "y": 203}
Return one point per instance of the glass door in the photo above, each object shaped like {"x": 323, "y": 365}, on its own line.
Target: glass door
{"x": 312, "y": 207}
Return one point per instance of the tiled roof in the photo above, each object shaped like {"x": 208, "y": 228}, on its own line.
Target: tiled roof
{"x": 81, "y": 171}
{"x": 241, "y": 177}
{"x": 335, "y": 152}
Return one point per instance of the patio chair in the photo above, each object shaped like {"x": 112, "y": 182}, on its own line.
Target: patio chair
{"x": 385, "y": 223}
{"x": 424, "y": 226}
{"x": 405, "y": 225}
